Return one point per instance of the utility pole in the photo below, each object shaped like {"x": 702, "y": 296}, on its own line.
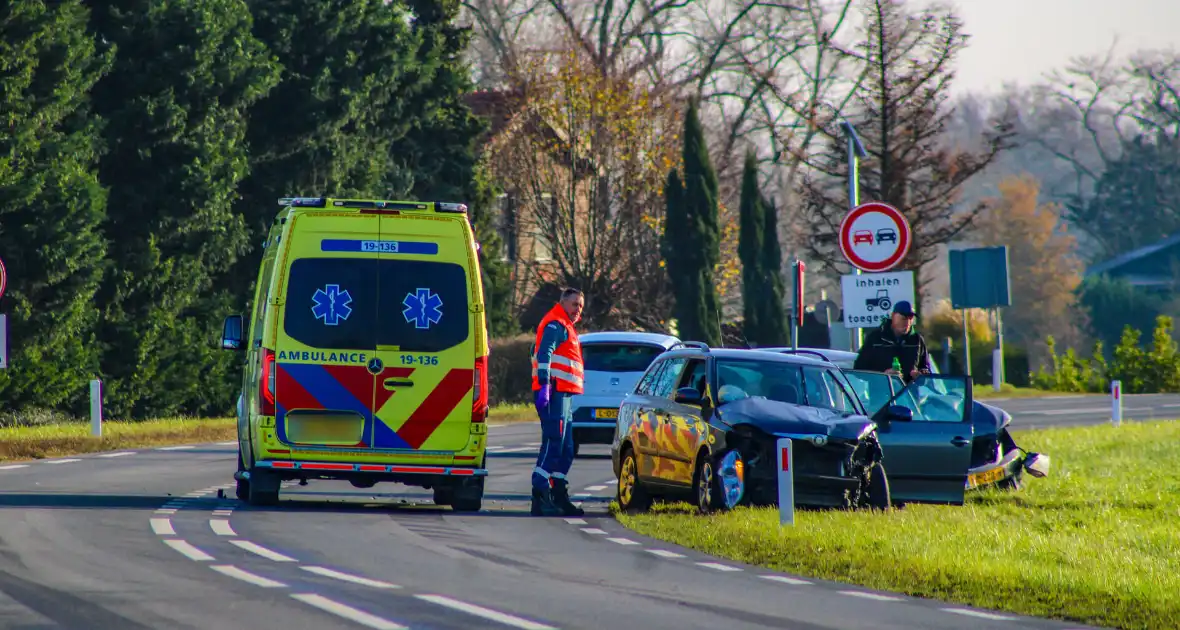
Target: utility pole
{"x": 856, "y": 150}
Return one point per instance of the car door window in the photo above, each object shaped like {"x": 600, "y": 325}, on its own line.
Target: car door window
{"x": 840, "y": 396}
{"x": 694, "y": 375}
{"x": 666, "y": 381}
{"x": 925, "y": 397}
{"x": 822, "y": 391}
{"x": 647, "y": 383}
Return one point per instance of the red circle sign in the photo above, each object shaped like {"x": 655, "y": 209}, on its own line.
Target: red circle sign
{"x": 875, "y": 237}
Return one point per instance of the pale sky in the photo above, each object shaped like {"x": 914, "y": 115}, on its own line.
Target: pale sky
{"x": 1020, "y": 40}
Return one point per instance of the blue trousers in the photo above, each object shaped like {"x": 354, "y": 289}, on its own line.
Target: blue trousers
{"x": 557, "y": 442}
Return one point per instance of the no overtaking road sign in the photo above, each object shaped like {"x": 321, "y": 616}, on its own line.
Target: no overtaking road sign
{"x": 875, "y": 237}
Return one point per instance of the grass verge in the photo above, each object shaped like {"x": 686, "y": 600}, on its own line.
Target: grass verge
{"x": 512, "y": 413}
{"x": 1097, "y": 542}
{"x": 56, "y": 440}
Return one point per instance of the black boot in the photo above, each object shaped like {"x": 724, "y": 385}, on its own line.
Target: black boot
{"x": 543, "y": 504}
{"x": 561, "y": 498}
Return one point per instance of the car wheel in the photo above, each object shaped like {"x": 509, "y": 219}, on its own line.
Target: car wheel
{"x": 704, "y": 482}
{"x": 878, "y": 491}
{"x": 468, "y": 495}
{"x": 443, "y": 495}
{"x": 632, "y": 496}
{"x": 264, "y": 489}
{"x": 243, "y": 485}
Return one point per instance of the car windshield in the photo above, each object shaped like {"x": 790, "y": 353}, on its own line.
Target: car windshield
{"x": 935, "y": 399}
{"x": 742, "y": 378}
{"x": 872, "y": 388}
{"x": 618, "y": 357}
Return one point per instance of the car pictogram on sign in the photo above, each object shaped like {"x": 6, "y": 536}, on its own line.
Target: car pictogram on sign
{"x": 887, "y": 234}
{"x": 862, "y": 236}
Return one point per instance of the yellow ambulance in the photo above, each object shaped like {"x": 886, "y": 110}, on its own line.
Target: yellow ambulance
{"x": 365, "y": 351}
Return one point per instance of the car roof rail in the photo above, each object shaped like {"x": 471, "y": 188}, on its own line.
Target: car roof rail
{"x": 695, "y": 344}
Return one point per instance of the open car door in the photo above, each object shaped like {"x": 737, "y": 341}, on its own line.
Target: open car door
{"x": 926, "y": 433}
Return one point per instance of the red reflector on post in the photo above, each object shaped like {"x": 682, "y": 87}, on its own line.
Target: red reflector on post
{"x": 786, "y": 461}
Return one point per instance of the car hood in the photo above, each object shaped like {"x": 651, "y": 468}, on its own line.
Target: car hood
{"x": 988, "y": 419}
{"x": 776, "y": 417}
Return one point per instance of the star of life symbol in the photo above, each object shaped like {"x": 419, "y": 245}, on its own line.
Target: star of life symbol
{"x": 422, "y": 308}
{"x": 331, "y": 304}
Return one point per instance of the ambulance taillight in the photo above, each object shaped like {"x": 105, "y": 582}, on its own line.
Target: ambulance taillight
{"x": 266, "y": 383}
{"x": 479, "y": 402}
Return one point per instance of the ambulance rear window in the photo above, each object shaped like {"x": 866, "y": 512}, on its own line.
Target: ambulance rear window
{"x": 361, "y": 303}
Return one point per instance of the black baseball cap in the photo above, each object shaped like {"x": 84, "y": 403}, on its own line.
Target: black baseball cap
{"x": 904, "y": 308}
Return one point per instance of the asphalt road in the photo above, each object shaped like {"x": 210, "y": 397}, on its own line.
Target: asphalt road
{"x": 1086, "y": 409}
{"x": 141, "y": 540}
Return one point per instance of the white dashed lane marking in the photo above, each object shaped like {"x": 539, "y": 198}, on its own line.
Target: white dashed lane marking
{"x": 221, "y": 527}
{"x": 355, "y": 579}
{"x": 622, "y": 541}
{"x": 576, "y": 521}
{"x": 347, "y": 612}
{"x": 13, "y": 466}
{"x": 261, "y": 551}
{"x": 880, "y": 598}
{"x": 227, "y": 443}
{"x": 486, "y": 613}
{"x": 123, "y": 454}
{"x": 718, "y": 566}
{"x": 246, "y": 576}
{"x": 594, "y": 530}
{"x": 785, "y": 580}
{"x": 163, "y": 527}
{"x": 664, "y": 553}
{"x": 187, "y": 550}
{"x": 979, "y": 613}
{"x": 176, "y": 448}
{"x": 60, "y": 461}
{"x": 595, "y": 488}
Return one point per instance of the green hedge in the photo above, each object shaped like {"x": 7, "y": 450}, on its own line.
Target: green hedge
{"x": 1141, "y": 370}
{"x": 510, "y": 370}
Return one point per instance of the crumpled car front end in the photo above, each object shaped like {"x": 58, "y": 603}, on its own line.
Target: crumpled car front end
{"x": 832, "y": 453}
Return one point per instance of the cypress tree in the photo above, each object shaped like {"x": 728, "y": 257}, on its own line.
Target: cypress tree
{"x": 774, "y": 329}
{"x": 51, "y": 204}
{"x": 691, "y": 244}
{"x": 750, "y": 243}
{"x": 175, "y": 101}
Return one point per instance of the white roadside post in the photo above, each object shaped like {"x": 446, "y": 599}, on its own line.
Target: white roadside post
{"x": 1116, "y": 402}
{"x": 786, "y": 483}
{"x": 96, "y": 408}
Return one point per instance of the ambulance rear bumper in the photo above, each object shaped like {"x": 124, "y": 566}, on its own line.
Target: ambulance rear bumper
{"x": 338, "y": 470}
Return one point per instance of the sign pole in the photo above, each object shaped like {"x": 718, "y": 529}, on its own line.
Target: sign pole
{"x": 998, "y": 355}
{"x": 786, "y": 482}
{"x": 966, "y": 346}
{"x": 855, "y": 151}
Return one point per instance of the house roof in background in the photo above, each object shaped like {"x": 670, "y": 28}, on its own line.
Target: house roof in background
{"x": 1133, "y": 255}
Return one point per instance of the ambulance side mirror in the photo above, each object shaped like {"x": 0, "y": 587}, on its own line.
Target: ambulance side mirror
{"x": 231, "y": 333}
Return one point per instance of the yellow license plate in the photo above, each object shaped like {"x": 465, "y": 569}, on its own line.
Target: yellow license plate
{"x": 986, "y": 477}
{"x": 606, "y": 413}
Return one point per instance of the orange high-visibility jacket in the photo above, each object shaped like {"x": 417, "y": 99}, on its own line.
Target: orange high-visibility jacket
{"x": 561, "y": 364}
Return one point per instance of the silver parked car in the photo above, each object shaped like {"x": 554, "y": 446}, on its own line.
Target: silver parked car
{"x": 612, "y": 363}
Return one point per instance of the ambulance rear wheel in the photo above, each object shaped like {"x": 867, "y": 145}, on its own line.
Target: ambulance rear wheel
{"x": 264, "y": 488}
{"x": 468, "y": 495}
{"x": 243, "y": 488}
{"x": 443, "y": 495}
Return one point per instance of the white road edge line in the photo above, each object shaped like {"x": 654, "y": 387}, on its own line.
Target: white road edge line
{"x": 246, "y": 576}
{"x": 13, "y": 466}
{"x": 355, "y": 579}
{"x": 576, "y": 521}
{"x": 595, "y": 488}
{"x": 175, "y": 448}
{"x": 880, "y": 598}
{"x": 116, "y": 454}
{"x": 187, "y": 550}
{"x": 718, "y": 566}
{"x": 163, "y": 527}
{"x": 979, "y": 613}
{"x": 227, "y": 443}
{"x": 221, "y": 527}
{"x": 597, "y": 532}
{"x": 347, "y": 612}
{"x": 60, "y": 461}
{"x": 486, "y": 613}
{"x": 262, "y": 551}
{"x": 622, "y": 541}
{"x": 664, "y": 553}
{"x": 785, "y": 580}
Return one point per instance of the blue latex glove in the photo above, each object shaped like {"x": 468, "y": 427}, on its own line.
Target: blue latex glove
{"x": 541, "y": 401}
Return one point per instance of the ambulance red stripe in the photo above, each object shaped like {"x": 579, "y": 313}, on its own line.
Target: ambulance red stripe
{"x": 356, "y": 379}
{"x": 292, "y": 395}
{"x": 437, "y": 406}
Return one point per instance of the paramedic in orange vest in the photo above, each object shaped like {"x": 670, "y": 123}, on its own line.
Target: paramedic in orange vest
{"x": 557, "y": 375}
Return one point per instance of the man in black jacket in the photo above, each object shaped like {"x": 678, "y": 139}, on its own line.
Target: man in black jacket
{"x": 896, "y": 337}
